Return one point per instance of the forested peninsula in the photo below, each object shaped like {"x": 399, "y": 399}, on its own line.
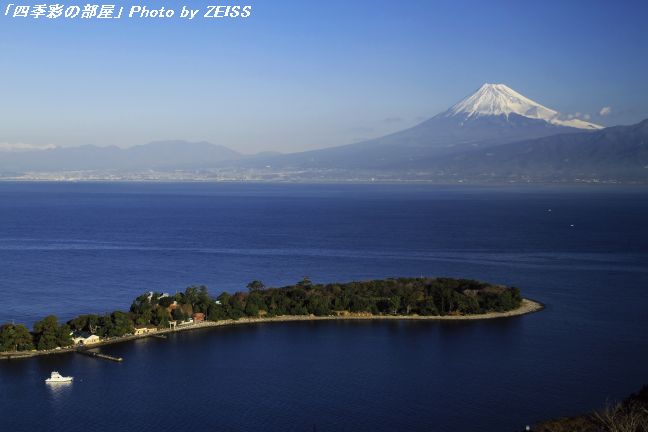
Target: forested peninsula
{"x": 156, "y": 312}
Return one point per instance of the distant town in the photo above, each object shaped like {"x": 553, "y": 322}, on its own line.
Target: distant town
{"x": 292, "y": 176}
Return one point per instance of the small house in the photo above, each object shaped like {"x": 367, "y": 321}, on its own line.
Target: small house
{"x": 144, "y": 329}
{"x": 85, "y": 339}
{"x": 198, "y": 317}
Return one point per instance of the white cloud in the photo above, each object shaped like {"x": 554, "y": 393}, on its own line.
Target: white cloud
{"x": 606, "y": 110}
{"x": 8, "y": 147}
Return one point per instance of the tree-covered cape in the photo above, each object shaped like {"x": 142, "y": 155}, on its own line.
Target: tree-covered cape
{"x": 402, "y": 296}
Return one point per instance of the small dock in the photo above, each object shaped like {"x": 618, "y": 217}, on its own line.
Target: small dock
{"x": 159, "y": 336}
{"x": 100, "y": 355}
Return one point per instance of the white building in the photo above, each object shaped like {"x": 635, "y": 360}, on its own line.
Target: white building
{"x": 144, "y": 329}
{"x": 86, "y": 339}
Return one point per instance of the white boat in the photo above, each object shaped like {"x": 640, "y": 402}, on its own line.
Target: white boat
{"x": 58, "y": 378}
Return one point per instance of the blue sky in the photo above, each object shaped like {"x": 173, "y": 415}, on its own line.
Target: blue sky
{"x": 308, "y": 74}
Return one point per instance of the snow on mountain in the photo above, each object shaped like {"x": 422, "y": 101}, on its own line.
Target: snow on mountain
{"x": 492, "y": 116}
{"x": 499, "y": 99}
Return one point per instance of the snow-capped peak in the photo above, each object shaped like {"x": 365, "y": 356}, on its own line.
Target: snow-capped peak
{"x": 499, "y": 99}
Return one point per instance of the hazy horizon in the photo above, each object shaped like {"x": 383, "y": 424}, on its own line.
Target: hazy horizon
{"x": 286, "y": 79}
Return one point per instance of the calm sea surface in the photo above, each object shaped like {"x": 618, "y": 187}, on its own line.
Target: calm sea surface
{"x": 76, "y": 248}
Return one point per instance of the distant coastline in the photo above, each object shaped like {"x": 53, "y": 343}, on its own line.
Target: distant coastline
{"x": 527, "y": 306}
{"x": 315, "y": 178}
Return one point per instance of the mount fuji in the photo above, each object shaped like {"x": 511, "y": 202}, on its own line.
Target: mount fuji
{"x": 499, "y": 99}
{"x": 494, "y": 135}
{"x": 495, "y": 114}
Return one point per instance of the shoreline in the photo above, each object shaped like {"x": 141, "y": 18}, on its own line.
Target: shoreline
{"x": 528, "y": 306}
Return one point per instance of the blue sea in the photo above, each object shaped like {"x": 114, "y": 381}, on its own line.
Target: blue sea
{"x": 72, "y": 248}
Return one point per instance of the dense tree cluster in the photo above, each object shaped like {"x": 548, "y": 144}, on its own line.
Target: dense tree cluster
{"x": 48, "y": 334}
{"x": 15, "y": 338}
{"x": 403, "y": 296}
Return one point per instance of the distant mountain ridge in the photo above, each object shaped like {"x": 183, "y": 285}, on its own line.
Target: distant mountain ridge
{"x": 495, "y": 114}
{"x": 494, "y": 134}
{"x": 159, "y": 155}
{"x": 619, "y": 152}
